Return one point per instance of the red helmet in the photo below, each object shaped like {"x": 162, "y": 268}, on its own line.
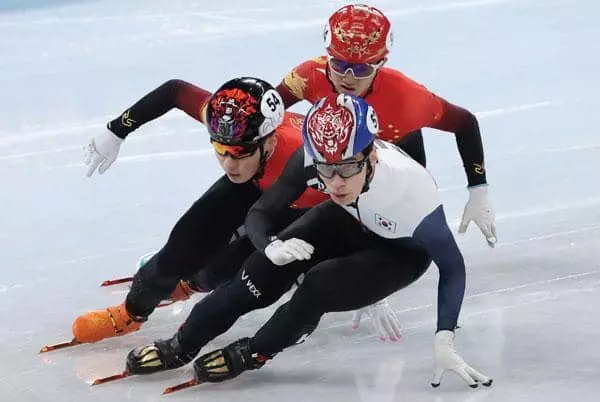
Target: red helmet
{"x": 358, "y": 33}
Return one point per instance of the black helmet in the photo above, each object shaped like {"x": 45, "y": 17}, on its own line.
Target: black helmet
{"x": 243, "y": 110}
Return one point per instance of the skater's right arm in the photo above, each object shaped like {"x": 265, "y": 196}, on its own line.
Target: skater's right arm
{"x": 289, "y": 99}
{"x": 299, "y": 84}
{"x": 172, "y": 94}
{"x": 260, "y": 221}
{"x": 103, "y": 149}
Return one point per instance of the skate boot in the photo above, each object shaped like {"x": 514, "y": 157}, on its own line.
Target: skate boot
{"x": 184, "y": 290}
{"x": 229, "y": 362}
{"x": 159, "y": 356}
{"x": 97, "y": 325}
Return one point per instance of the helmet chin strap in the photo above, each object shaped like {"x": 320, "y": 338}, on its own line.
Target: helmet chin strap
{"x": 261, "y": 163}
{"x": 264, "y": 157}
{"x": 368, "y": 177}
{"x": 370, "y": 170}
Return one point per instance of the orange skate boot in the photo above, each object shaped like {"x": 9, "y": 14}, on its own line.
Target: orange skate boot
{"x": 97, "y": 325}
{"x": 184, "y": 291}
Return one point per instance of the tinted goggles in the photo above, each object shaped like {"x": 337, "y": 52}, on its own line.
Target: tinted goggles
{"x": 359, "y": 70}
{"x": 345, "y": 169}
{"x": 238, "y": 151}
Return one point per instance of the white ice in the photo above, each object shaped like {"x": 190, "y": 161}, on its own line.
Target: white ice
{"x": 529, "y": 68}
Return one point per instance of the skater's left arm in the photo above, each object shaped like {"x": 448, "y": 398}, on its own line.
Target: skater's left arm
{"x": 435, "y": 236}
{"x": 451, "y": 118}
{"x": 446, "y": 116}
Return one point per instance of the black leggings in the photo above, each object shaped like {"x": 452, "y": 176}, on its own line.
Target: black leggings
{"x": 350, "y": 268}
{"x": 200, "y": 246}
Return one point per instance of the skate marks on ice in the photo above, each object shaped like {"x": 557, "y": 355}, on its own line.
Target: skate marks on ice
{"x": 34, "y": 137}
{"x": 216, "y": 19}
{"x": 339, "y": 359}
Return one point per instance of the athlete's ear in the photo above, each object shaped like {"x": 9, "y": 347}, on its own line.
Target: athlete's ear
{"x": 270, "y": 144}
{"x": 373, "y": 156}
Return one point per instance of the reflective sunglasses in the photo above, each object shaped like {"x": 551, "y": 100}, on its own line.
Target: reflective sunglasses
{"x": 239, "y": 151}
{"x": 344, "y": 169}
{"x": 359, "y": 70}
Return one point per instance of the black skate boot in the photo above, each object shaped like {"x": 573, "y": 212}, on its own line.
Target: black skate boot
{"x": 229, "y": 362}
{"x": 160, "y": 356}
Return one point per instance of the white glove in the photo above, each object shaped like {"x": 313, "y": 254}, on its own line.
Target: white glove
{"x": 102, "y": 151}
{"x": 385, "y": 320}
{"x": 284, "y": 252}
{"x": 479, "y": 210}
{"x": 446, "y": 358}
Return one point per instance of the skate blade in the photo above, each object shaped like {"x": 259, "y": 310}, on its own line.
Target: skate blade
{"x": 181, "y": 386}
{"x": 57, "y": 346}
{"x": 111, "y": 378}
{"x": 111, "y": 282}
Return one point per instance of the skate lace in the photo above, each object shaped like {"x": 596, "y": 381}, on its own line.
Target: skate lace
{"x": 113, "y": 321}
{"x": 126, "y": 323}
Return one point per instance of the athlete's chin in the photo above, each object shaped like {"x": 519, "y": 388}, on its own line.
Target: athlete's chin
{"x": 342, "y": 199}
{"x": 236, "y": 178}
{"x": 348, "y": 90}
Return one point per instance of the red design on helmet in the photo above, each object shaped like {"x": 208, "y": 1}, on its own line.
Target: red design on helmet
{"x": 231, "y": 110}
{"x": 358, "y": 33}
{"x": 331, "y": 127}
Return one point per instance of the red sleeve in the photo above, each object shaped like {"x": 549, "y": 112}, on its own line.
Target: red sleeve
{"x": 433, "y": 111}
{"x": 453, "y": 118}
{"x": 289, "y": 99}
{"x": 297, "y": 81}
{"x": 191, "y": 99}
{"x": 426, "y": 105}
{"x": 171, "y": 94}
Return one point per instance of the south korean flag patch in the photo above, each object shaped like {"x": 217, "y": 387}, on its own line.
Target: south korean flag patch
{"x": 385, "y": 223}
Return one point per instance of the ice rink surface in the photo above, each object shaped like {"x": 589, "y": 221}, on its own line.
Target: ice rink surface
{"x": 528, "y": 68}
